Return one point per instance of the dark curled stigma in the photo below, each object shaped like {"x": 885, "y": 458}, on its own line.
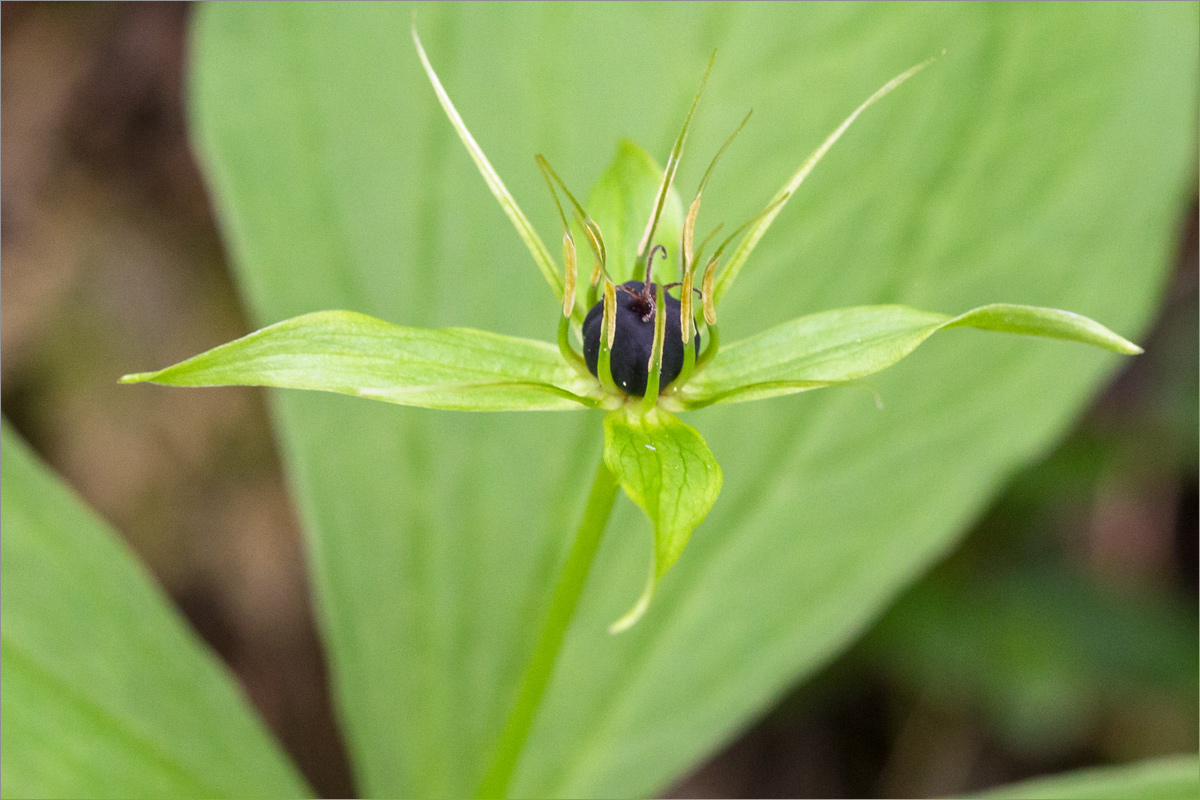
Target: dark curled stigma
{"x": 635, "y": 339}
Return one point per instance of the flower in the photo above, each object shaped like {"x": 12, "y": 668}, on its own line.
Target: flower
{"x": 626, "y": 364}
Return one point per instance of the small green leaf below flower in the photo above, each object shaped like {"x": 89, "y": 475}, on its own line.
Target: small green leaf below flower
{"x": 665, "y": 467}
{"x": 350, "y": 353}
{"x": 849, "y": 343}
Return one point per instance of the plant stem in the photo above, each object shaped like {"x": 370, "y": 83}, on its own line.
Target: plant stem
{"x": 545, "y": 652}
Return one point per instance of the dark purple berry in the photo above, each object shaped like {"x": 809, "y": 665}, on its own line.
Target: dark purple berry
{"x": 630, "y": 357}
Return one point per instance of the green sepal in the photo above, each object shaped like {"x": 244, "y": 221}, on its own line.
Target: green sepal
{"x": 537, "y": 248}
{"x": 763, "y": 221}
{"x": 849, "y": 343}
{"x": 665, "y": 466}
{"x": 343, "y": 351}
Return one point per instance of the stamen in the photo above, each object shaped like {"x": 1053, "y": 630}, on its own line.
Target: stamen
{"x": 706, "y": 292}
{"x": 685, "y": 307}
{"x": 689, "y": 365}
{"x": 689, "y": 223}
{"x": 689, "y": 278}
{"x": 568, "y": 299}
{"x": 672, "y": 165}
{"x": 569, "y": 259}
{"x": 710, "y": 350}
{"x": 706, "y": 285}
{"x": 565, "y": 348}
{"x": 590, "y": 228}
{"x": 608, "y": 330}
{"x": 654, "y": 368}
{"x": 610, "y": 313}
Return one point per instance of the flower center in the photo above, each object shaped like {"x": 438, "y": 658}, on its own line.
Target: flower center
{"x": 634, "y": 338}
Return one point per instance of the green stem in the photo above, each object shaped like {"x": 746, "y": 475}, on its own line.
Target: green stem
{"x": 541, "y": 662}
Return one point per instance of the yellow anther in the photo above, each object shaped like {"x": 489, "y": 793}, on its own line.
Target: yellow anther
{"x": 569, "y": 282}
{"x": 610, "y": 312}
{"x": 685, "y": 306}
{"x": 706, "y": 293}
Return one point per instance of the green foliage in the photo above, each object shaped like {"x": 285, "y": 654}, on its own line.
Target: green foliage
{"x": 107, "y": 693}
{"x": 850, "y": 343}
{"x": 1172, "y": 777}
{"x": 677, "y": 481}
{"x": 1055, "y": 656}
{"x": 666, "y": 468}
{"x": 341, "y": 351}
{"x": 1040, "y": 161}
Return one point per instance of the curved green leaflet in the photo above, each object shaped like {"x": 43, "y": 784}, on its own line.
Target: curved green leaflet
{"x": 848, "y": 343}
{"x": 341, "y": 351}
{"x": 666, "y": 468}
{"x": 107, "y": 692}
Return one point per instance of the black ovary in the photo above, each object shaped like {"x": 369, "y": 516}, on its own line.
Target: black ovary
{"x": 630, "y": 357}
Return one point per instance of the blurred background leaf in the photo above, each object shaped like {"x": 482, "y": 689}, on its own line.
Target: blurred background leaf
{"x": 107, "y": 693}
{"x": 1044, "y": 160}
{"x": 1044, "y": 652}
{"x": 1166, "y": 778}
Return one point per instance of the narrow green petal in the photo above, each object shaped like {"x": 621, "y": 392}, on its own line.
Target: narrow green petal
{"x": 537, "y": 248}
{"x": 748, "y": 244}
{"x": 350, "y": 353}
{"x": 621, "y": 200}
{"x": 673, "y": 158}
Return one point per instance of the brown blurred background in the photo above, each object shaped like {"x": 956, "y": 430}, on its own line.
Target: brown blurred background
{"x": 112, "y": 264}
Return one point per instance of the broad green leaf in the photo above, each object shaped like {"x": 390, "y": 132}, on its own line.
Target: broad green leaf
{"x": 1046, "y": 159}
{"x": 349, "y": 353}
{"x": 848, "y": 343}
{"x": 107, "y": 693}
{"x": 1166, "y": 778}
{"x": 666, "y": 468}
{"x": 621, "y": 202}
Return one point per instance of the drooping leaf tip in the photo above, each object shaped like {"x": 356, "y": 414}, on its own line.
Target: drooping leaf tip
{"x": 633, "y": 615}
